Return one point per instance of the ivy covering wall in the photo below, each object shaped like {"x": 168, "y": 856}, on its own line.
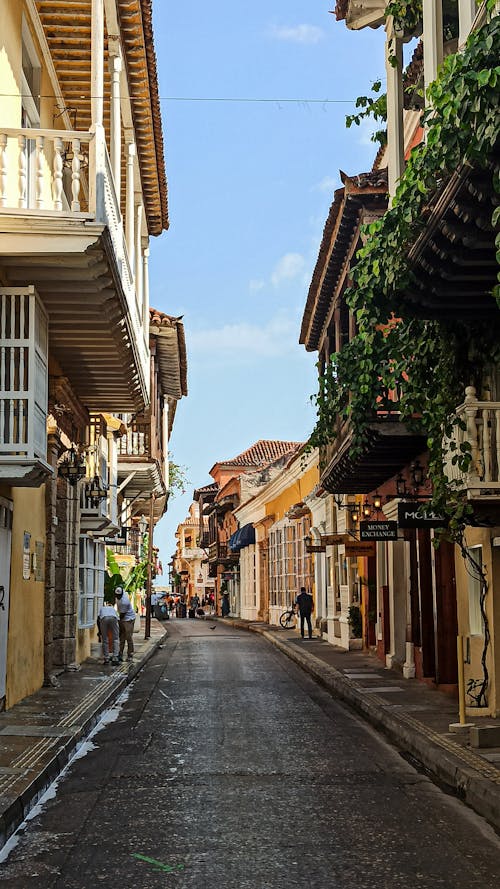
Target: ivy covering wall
{"x": 430, "y": 362}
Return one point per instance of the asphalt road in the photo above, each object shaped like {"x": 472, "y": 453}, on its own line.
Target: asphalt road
{"x": 228, "y": 767}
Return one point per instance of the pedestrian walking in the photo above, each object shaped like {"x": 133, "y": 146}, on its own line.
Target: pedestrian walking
{"x": 305, "y": 603}
{"x": 107, "y": 625}
{"x": 127, "y": 621}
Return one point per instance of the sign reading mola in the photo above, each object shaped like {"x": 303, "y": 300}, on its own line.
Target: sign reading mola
{"x": 378, "y": 530}
{"x": 414, "y": 515}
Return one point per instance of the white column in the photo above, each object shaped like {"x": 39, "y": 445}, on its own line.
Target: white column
{"x": 433, "y": 39}
{"x": 97, "y": 61}
{"x": 138, "y": 252}
{"x": 395, "y": 133}
{"x": 115, "y": 67}
{"x": 129, "y": 209}
{"x": 145, "y": 288}
{"x": 466, "y": 14}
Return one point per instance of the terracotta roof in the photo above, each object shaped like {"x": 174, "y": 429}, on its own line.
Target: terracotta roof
{"x": 340, "y": 10}
{"x": 358, "y": 191}
{"x": 159, "y": 220}
{"x": 67, "y": 28}
{"x": 206, "y": 489}
{"x": 262, "y": 453}
{"x": 171, "y": 350}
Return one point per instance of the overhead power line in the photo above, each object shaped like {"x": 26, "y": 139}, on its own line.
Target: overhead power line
{"x": 255, "y": 99}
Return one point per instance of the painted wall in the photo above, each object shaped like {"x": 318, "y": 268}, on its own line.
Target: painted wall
{"x": 10, "y": 78}
{"x": 473, "y": 670}
{"x": 293, "y": 494}
{"x": 25, "y": 652}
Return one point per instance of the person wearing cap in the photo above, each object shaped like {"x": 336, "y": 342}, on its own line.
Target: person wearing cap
{"x": 127, "y": 621}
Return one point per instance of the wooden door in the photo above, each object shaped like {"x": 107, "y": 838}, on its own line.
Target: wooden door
{"x": 5, "y": 549}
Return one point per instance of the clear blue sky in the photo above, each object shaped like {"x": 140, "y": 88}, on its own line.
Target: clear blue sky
{"x": 250, "y": 186}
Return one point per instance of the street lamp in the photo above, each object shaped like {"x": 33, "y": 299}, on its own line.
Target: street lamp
{"x": 71, "y": 467}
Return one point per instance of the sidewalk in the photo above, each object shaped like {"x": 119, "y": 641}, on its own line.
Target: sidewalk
{"x": 412, "y": 715}
{"x": 40, "y": 734}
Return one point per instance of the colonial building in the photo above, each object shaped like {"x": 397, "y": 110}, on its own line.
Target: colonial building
{"x": 276, "y": 523}
{"x": 223, "y": 545}
{"x": 82, "y": 189}
{"x": 190, "y": 559}
{"x": 447, "y": 249}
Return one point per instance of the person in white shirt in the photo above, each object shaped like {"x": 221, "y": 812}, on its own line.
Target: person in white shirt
{"x": 127, "y": 621}
{"x": 107, "y": 624}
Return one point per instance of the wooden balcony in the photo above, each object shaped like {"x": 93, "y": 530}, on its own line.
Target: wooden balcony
{"x": 220, "y": 553}
{"x": 480, "y": 433}
{"x": 23, "y": 388}
{"x": 62, "y": 231}
{"x": 389, "y": 447}
{"x": 141, "y": 464}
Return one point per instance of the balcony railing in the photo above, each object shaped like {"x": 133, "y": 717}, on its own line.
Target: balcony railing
{"x": 141, "y": 441}
{"x": 33, "y": 182}
{"x": 481, "y": 436}
{"x": 220, "y": 552}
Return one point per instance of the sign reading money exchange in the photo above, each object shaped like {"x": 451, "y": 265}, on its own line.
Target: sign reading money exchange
{"x": 414, "y": 515}
{"x": 378, "y": 530}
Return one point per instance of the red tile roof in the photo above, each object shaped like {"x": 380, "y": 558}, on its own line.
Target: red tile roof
{"x": 341, "y": 9}
{"x": 364, "y": 189}
{"x": 263, "y": 452}
{"x": 171, "y": 342}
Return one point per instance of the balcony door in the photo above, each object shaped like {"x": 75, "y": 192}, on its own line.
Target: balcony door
{"x": 5, "y": 548}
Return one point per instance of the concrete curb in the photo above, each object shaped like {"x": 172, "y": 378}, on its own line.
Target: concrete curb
{"x": 465, "y": 779}
{"x": 19, "y": 808}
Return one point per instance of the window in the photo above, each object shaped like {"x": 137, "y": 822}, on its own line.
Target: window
{"x": 91, "y": 580}
{"x": 290, "y": 566}
{"x": 476, "y": 624}
{"x": 248, "y": 575}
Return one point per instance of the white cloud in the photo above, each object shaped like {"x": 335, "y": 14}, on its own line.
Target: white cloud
{"x": 297, "y": 33}
{"x": 256, "y": 284}
{"x": 288, "y": 267}
{"x": 243, "y": 342}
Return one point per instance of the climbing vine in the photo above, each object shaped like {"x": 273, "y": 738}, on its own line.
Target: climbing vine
{"x": 371, "y": 107}
{"x": 428, "y": 362}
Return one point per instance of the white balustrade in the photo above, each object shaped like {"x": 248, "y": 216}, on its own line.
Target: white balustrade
{"x": 23, "y": 172}
{"x": 39, "y": 157}
{"x": 34, "y": 159}
{"x": 57, "y": 185}
{"x": 480, "y": 421}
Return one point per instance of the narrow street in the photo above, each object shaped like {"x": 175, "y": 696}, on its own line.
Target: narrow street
{"x": 228, "y": 767}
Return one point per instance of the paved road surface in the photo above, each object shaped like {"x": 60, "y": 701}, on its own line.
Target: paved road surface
{"x": 228, "y": 767}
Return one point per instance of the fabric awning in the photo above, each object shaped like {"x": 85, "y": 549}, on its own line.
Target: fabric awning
{"x": 245, "y": 536}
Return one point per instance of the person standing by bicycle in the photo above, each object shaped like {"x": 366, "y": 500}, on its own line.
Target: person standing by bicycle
{"x": 306, "y": 604}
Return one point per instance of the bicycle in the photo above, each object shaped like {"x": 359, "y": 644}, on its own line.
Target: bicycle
{"x": 288, "y": 619}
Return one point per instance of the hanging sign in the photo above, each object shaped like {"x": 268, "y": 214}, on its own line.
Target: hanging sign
{"x": 359, "y": 548}
{"x": 378, "y": 530}
{"x": 413, "y": 515}
{"x": 26, "y": 555}
{"x": 119, "y": 540}
{"x": 311, "y": 548}
{"x": 334, "y": 539}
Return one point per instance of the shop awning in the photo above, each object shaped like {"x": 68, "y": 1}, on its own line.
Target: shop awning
{"x": 245, "y": 536}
